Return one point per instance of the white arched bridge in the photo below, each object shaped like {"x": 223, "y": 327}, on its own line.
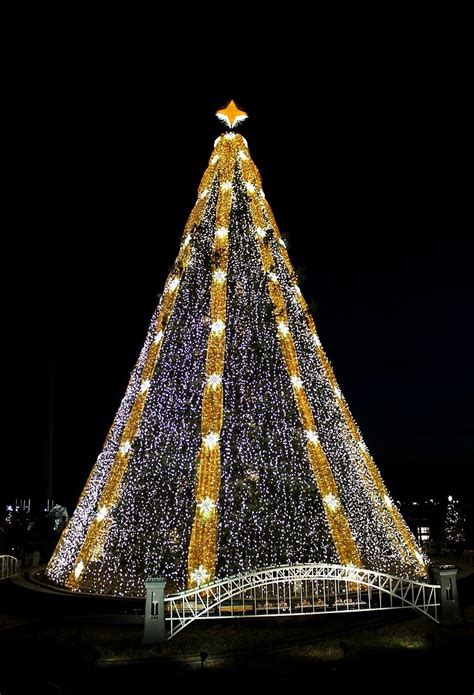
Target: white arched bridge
{"x": 309, "y": 589}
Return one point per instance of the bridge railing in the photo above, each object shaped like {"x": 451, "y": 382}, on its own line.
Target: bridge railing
{"x": 9, "y": 566}
{"x": 298, "y": 590}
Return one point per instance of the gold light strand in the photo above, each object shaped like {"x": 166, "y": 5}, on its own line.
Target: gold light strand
{"x": 96, "y": 536}
{"x": 203, "y": 541}
{"x": 338, "y": 524}
{"x": 405, "y": 540}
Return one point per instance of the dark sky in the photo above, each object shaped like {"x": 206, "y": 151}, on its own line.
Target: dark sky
{"x": 371, "y": 180}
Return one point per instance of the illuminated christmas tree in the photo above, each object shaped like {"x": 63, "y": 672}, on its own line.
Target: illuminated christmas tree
{"x": 233, "y": 447}
{"x": 454, "y": 523}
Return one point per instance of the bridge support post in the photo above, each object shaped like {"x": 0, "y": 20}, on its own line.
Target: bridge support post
{"x": 155, "y": 629}
{"x": 445, "y": 576}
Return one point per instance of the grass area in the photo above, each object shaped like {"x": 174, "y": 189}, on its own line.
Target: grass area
{"x": 313, "y": 638}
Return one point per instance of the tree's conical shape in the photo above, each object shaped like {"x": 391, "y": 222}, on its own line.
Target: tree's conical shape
{"x": 233, "y": 447}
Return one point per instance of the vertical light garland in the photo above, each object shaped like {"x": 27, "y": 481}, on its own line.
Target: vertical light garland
{"x": 203, "y": 541}
{"x": 96, "y": 536}
{"x": 335, "y": 514}
{"x": 370, "y": 473}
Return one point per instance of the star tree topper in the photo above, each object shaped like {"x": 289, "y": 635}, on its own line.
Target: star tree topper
{"x": 231, "y": 115}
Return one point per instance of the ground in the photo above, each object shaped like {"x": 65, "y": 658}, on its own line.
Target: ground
{"x": 52, "y": 644}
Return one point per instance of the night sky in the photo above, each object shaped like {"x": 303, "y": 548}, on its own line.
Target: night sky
{"x": 372, "y": 186}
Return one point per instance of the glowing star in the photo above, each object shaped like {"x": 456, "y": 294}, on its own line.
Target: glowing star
{"x": 296, "y": 381}
{"x": 316, "y": 340}
{"x": 206, "y": 506}
{"x": 222, "y": 233}
{"x": 297, "y": 290}
{"x": 419, "y": 557}
{"x": 102, "y": 513}
{"x": 243, "y": 156}
{"x": 199, "y": 575}
{"x": 273, "y": 277}
{"x": 282, "y": 243}
{"x": 362, "y": 446}
{"x": 204, "y": 194}
{"x": 338, "y": 392}
{"x": 231, "y": 115}
{"x": 217, "y": 326}
{"x": 78, "y": 569}
{"x": 283, "y": 328}
{"x": 172, "y": 285}
{"x": 219, "y": 275}
{"x": 312, "y": 437}
{"x": 215, "y": 159}
{"x": 158, "y": 337}
{"x": 250, "y": 187}
{"x": 226, "y": 185}
{"x": 260, "y": 232}
{"x": 186, "y": 240}
{"x": 145, "y": 385}
{"x": 211, "y": 440}
{"x": 125, "y": 447}
{"x": 331, "y": 502}
{"x": 214, "y": 380}
{"x": 387, "y": 501}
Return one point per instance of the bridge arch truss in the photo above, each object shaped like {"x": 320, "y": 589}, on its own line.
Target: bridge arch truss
{"x": 295, "y": 590}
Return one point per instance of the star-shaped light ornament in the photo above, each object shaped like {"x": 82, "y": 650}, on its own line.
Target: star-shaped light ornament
{"x": 199, "y": 575}
{"x": 331, "y": 502}
{"x": 125, "y": 447}
{"x": 206, "y": 507}
{"x": 231, "y": 115}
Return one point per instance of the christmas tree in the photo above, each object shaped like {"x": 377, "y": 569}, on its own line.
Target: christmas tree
{"x": 454, "y": 524}
{"x": 233, "y": 447}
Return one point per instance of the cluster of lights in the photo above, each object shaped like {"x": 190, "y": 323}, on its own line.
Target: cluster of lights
{"x": 241, "y": 441}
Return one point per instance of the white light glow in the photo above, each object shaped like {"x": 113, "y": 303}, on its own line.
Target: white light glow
{"x": 283, "y": 328}
{"x": 226, "y": 185}
{"x": 387, "y": 501}
{"x": 217, "y": 326}
{"x": 199, "y": 575}
{"x": 78, "y": 569}
{"x": 125, "y": 447}
{"x": 158, "y": 337}
{"x": 219, "y": 275}
{"x": 211, "y": 440}
{"x": 312, "y": 437}
{"x": 172, "y": 285}
{"x": 214, "y": 380}
{"x": 296, "y": 381}
{"x": 102, "y": 513}
{"x": 206, "y": 506}
{"x": 222, "y": 233}
{"x": 145, "y": 385}
{"x": 331, "y": 502}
